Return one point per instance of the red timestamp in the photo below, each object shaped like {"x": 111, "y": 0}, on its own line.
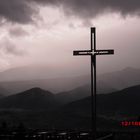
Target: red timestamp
{"x": 130, "y": 123}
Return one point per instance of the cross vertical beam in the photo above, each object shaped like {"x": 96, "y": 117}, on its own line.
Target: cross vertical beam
{"x": 92, "y": 53}
{"x": 93, "y": 81}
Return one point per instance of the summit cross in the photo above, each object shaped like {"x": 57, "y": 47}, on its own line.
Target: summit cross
{"x": 93, "y": 52}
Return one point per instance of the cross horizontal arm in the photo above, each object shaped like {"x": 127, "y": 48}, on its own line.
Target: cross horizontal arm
{"x": 82, "y": 52}
{"x": 104, "y": 52}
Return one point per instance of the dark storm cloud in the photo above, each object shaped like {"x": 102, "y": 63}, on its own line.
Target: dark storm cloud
{"x": 17, "y": 32}
{"x": 23, "y": 11}
{"x": 92, "y": 8}
{"x": 19, "y": 11}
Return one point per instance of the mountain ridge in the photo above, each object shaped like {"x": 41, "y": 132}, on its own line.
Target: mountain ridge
{"x": 114, "y": 80}
{"x": 33, "y": 99}
{"x": 77, "y": 114}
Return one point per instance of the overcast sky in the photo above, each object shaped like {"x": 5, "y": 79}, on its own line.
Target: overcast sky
{"x": 45, "y": 32}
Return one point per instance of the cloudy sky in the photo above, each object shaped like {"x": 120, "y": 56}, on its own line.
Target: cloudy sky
{"x": 45, "y": 32}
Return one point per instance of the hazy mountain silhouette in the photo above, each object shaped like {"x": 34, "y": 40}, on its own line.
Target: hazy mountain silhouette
{"x": 31, "y": 72}
{"x": 82, "y": 92}
{"x": 34, "y": 98}
{"x": 2, "y": 92}
{"x": 20, "y": 79}
{"x": 38, "y": 108}
{"x": 76, "y": 114}
{"x": 54, "y": 85}
{"x": 122, "y": 79}
{"x": 124, "y": 103}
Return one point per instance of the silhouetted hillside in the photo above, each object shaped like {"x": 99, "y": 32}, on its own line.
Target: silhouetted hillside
{"x": 107, "y": 82}
{"x": 20, "y": 79}
{"x": 82, "y": 92}
{"x": 125, "y": 103}
{"x": 34, "y": 98}
{"x": 3, "y": 92}
{"x": 111, "y": 108}
{"x": 122, "y": 79}
{"x": 54, "y": 85}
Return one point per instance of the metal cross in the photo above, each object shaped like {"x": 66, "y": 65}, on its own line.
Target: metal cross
{"x": 92, "y": 53}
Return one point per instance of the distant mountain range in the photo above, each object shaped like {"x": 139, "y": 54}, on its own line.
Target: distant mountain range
{"x": 33, "y": 99}
{"x": 126, "y": 101}
{"x": 122, "y": 103}
{"x": 2, "y": 92}
{"x": 55, "y": 85}
{"x": 40, "y": 108}
{"x": 122, "y": 79}
{"x": 82, "y": 92}
{"x": 20, "y": 79}
{"x": 77, "y": 94}
{"x": 32, "y": 72}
